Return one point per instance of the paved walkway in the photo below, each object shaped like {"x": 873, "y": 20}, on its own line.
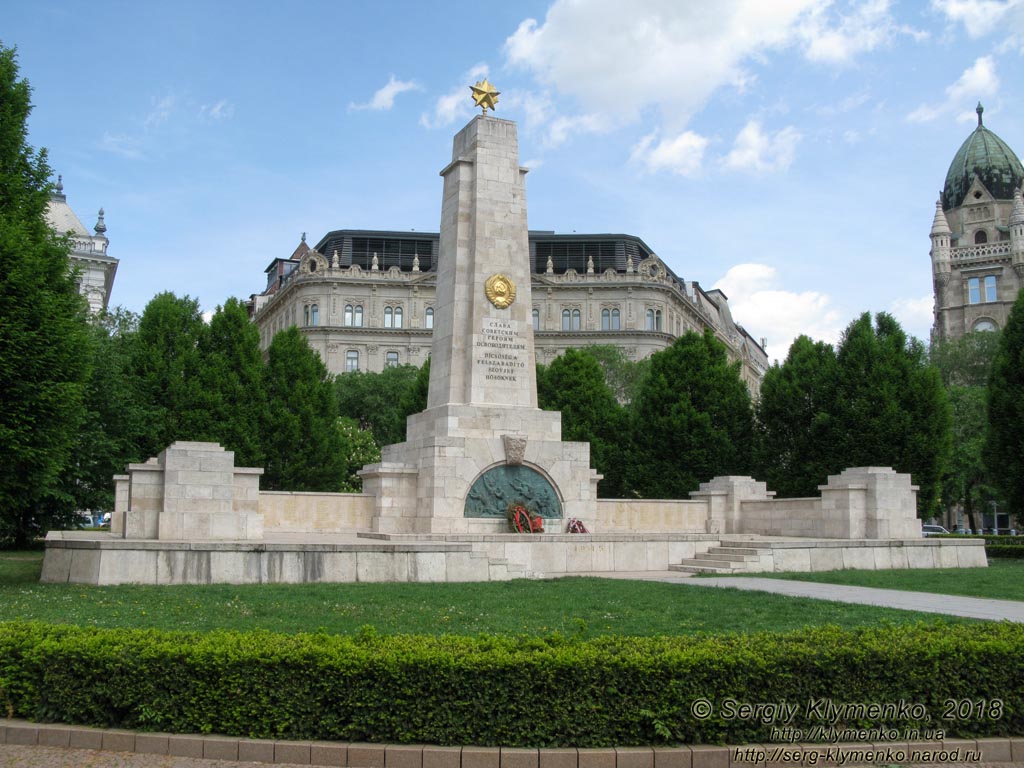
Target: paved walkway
{"x": 969, "y": 607}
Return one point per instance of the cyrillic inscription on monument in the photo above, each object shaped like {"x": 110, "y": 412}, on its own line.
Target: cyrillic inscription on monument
{"x": 499, "y": 351}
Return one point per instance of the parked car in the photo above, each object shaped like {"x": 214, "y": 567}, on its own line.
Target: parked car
{"x": 933, "y": 530}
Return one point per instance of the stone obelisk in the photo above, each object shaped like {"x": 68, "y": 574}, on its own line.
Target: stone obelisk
{"x": 482, "y": 444}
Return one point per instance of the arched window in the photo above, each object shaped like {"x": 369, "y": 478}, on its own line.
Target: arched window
{"x": 606, "y": 320}
{"x": 348, "y": 314}
{"x": 615, "y": 319}
{"x": 536, "y": 319}
{"x": 389, "y": 317}
{"x": 430, "y": 318}
{"x": 657, "y": 320}
{"x": 351, "y": 361}
{"x": 566, "y": 320}
{"x": 391, "y": 360}
{"x": 575, "y": 319}
{"x": 305, "y": 315}
{"x": 314, "y": 315}
{"x": 981, "y": 236}
{"x": 398, "y": 317}
{"x": 650, "y": 320}
{"x": 984, "y": 325}
{"x": 358, "y": 323}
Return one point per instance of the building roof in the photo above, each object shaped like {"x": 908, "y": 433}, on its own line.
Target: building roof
{"x": 988, "y": 157}
{"x": 60, "y": 216}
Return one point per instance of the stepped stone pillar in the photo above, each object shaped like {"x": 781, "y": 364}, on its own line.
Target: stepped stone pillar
{"x": 482, "y": 410}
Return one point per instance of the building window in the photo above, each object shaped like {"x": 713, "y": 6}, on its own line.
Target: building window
{"x": 314, "y": 315}
{"x": 974, "y": 290}
{"x": 398, "y": 317}
{"x": 389, "y": 317}
{"x": 984, "y": 325}
{"x": 657, "y": 320}
{"x": 305, "y": 315}
{"x": 536, "y": 319}
{"x": 615, "y": 319}
{"x": 575, "y": 319}
{"x": 391, "y": 360}
{"x": 650, "y": 320}
{"x": 348, "y": 314}
{"x": 430, "y": 318}
{"x": 358, "y": 322}
{"x": 990, "y": 288}
{"x": 606, "y": 319}
{"x": 351, "y": 361}
{"x": 566, "y": 319}
{"x": 980, "y": 237}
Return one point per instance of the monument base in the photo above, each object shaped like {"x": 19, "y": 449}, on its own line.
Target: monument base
{"x": 91, "y": 558}
{"x": 424, "y": 484}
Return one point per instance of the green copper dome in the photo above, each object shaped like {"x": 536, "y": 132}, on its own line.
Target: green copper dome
{"x": 988, "y": 157}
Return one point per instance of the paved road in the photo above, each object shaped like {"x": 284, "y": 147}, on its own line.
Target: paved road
{"x": 969, "y": 607}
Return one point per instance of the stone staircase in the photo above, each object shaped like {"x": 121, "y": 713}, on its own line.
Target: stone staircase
{"x": 724, "y": 559}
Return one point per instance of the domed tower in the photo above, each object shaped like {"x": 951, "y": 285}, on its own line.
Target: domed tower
{"x": 977, "y": 250}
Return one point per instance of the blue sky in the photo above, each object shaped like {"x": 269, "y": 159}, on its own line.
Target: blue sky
{"x": 789, "y": 152}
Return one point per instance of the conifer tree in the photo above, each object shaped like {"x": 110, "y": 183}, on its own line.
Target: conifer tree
{"x": 574, "y": 384}
{"x": 693, "y": 419}
{"x": 45, "y": 349}
{"x": 231, "y": 376}
{"x": 794, "y": 415}
{"x": 167, "y": 363}
{"x": 302, "y": 443}
{"x": 1004, "y": 449}
{"x": 890, "y": 407}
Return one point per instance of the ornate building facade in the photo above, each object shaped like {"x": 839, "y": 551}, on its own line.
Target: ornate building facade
{"x": 978, "y": 237}
{"x": 365, "y": 300}
{"x": 96, "y": 270}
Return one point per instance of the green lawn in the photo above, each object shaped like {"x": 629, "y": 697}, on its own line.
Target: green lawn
{"x": 573, "y": 606}
{"x": 1002, "y": 580}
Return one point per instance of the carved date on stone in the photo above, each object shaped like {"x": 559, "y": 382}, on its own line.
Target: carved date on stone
{"x": 507, "y": 484}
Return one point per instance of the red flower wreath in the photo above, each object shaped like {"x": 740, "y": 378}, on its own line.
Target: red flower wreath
{"x": 521, "y": 521}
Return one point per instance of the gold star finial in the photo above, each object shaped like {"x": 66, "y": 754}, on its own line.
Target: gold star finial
{"x": 485, "y": 95}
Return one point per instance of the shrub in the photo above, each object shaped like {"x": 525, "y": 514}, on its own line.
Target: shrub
{"x": 498, "y": 690}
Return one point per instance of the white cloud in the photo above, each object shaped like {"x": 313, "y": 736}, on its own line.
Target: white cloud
{"x": 618, "y": 59}
{"x": 121, "y": 144}
{"x": 868, "y": 27}
{"x": 978, "y": 81}
{"x": 682, "y": 155}
{"x": 755, "y": 150}
{"x": 456, "y": 103}
{"x": 979, "y": 17}
{"x": 384, "y": 98}
{"x": 915, "y": 315}
{"x": 161, "y": 110}
{"x": 222, "y": 110}
{"x": 756, "y": 302}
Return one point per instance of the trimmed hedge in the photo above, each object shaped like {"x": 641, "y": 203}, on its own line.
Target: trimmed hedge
{"x": 507, "y": 691}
